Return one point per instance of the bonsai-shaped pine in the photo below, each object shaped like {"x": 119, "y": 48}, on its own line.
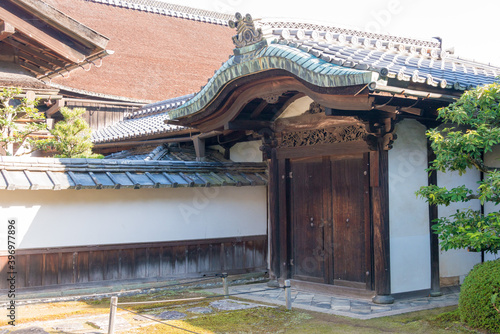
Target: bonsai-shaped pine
{"x": 473, "y": 131}
{"x": 19, "y": 120}
{"x": 71, "y": 136}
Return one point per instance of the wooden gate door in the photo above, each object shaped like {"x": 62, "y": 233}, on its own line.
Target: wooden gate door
{"x": 307, "y": 218}
{"x": 328, "y": 215}
{"x": 349, "y": 210}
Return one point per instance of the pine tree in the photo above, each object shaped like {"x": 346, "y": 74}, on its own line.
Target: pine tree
{"x": 72, "y": 136}
{"x": 19, "y": 120}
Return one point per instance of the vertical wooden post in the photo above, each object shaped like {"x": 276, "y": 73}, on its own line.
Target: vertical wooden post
{"x": 288, "y": 295}
{"x": 274, "y": 234}
{"x": 434, "y": 241}
{"x": 112, "y": 315}
{"x": 284, "y": 237}
{"x": 199, "y": 147}
{"x": 225, "y": 285}
{"x": 379, "y": 182}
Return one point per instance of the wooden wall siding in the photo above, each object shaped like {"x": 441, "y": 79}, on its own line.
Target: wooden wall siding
{"x": 73, "y": 265}
{"x": 99, "y": 117}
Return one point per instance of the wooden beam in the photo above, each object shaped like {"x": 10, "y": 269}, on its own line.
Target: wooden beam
{"x": 287, "y": 104}
{"x": 14, "y": 16}
{"x": 6, "y": 30}
{"x": 239, "y": 125}
{"x": 68, "y": 25}
{"x": 394, "y": 109}
{"x": 58, "y": 104}
{"x": 359, "y": 146}
{"x": 34, "y": 52}
{"x": 257, "y": 111}
{"x": 38, "y": 61}
{"x": 32, "y": 68}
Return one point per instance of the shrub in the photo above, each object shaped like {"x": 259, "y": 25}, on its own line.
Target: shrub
{"x": 478, "y": 303}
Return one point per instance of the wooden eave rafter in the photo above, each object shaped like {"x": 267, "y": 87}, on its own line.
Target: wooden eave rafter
{"x": 48, "y": 41}
{"x": 86, "y": 36}
{"x": 35, "y": 28}
{"x": 6, "y": 30}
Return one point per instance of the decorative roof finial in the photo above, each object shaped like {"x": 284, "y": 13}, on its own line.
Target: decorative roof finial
{"x": 246, "y": 32}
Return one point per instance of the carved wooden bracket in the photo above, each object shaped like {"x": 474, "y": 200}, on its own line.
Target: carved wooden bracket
{"x": 272, "y": 98}
{"x": 381, "y": 134}
{"x": 379, "y": 125}
{"x": 268, "y": 142}
{"x": 315, "y": 108}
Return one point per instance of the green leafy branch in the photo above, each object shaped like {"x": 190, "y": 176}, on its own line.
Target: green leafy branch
{"x": 471, "y": 129}
{"x": 469, "y": 229}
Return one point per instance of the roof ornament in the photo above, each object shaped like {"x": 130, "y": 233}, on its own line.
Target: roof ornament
{"x": 246, "y": 32}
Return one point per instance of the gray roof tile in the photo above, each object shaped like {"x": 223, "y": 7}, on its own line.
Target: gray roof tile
{"x": 148, "y": 120}
{"x": 377, "y": 50}
{"x": 57, "y": 174}
{"x": 163, "y": 8}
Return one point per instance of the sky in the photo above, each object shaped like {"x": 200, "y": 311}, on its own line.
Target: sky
{"x": 470, "y": 27}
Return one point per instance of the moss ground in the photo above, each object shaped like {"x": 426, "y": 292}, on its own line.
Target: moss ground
{"x": 259, "y": 320}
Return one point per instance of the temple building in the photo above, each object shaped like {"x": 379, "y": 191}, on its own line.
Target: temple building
{"x": 299, "y": 157}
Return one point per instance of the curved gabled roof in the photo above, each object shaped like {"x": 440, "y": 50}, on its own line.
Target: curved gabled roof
{"x": 276, "y": 56}
{"x": 327, "y": 56}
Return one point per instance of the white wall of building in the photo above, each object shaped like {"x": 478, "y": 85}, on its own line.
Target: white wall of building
{"x": 458, "y": 262}
{"x": 492, "y": 159}
{"x": 248, "y": 151}
{"x": 97, "y": 217}
{"x": 409, "y": 215}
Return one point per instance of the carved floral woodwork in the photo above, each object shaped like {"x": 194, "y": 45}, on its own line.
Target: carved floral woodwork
{"x": 322, "y": 136}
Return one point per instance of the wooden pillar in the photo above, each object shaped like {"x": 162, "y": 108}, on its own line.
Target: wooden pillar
{"x": 284, "y": 245}
{"x": 58, "y": 104}
{"x": 199, "y": 147}
{"x": 434, "y": 240}
{"x": 379, "y": 183}
{"x": 274, "y": 234}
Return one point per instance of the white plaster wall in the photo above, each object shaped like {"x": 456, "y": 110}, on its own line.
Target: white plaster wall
{"x": 492, "y": 159}
{"x": 409, "y": 215}
{"x": 248, "y": 151}
{"x": 96, "y": 217}
{"x": 457, "y": 262}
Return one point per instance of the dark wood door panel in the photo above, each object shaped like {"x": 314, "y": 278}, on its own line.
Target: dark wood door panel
{"x": 307, "y": 216}
{"x": 348, "y": 200}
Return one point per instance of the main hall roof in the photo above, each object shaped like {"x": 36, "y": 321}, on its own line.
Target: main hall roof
{"x": 324, "y": 56}
{"x": 160, "y": 51}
